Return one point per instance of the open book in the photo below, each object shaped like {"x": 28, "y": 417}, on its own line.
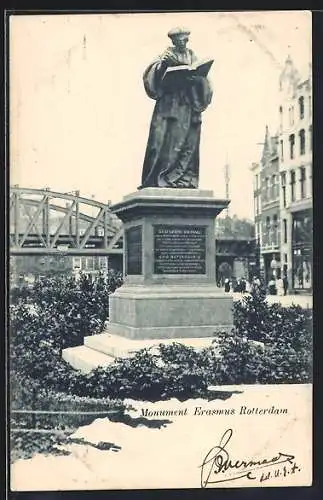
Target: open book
{"x": 175, "y": 74}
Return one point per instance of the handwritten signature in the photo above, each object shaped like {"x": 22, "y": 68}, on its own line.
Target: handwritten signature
{"x": 218, "y": 461}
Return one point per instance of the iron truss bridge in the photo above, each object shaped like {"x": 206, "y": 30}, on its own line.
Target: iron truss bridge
{"x": 47, "y": 222}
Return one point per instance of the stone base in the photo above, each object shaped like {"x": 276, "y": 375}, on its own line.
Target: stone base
{"x": 85, "y": 359}
{"x": 169, "y": 292}
{"x": 102, "y": 350}
{"x": 159, "y": 312}
{"x": 168, "y": 332}
{"x": 121, "y": 347}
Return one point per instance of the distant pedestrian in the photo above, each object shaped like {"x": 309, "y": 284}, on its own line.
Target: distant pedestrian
{"x": 256, "y": 281}
{"x": 280, "y": 286}
{"x": 272, "y": 287}
{"x": 227, "y": 285}
{"x": 247, "y": 286}
{"x": 255, "y": 285}
{"x": 285, "y": 284}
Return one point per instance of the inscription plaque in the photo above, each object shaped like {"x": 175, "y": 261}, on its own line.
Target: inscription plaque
{"x": 134, "y": 250}
{"x": 179, "y": 249}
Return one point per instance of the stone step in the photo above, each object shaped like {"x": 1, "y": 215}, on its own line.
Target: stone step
{"x": 117, "y": 346}
{"x": 103, "y": 349}
{"x": 85, "y": 359}
{"x": 112, "y": 345}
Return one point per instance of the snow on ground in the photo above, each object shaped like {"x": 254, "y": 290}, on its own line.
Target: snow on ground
{"x": 166, "y": 451}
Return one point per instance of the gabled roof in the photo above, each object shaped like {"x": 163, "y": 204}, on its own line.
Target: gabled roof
{"x": 270, "y": 147}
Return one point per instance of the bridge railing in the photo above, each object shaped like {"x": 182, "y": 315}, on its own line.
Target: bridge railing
{"x": 39, "y": 221}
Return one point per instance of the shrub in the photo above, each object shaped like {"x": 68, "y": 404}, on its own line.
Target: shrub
{"x": 24, "y": 445}
{"x": 287, "y": 336}
{"x": 251, "y": 314}
{"x": 41, "y": 326}
{"x": 67, "y": 308}
{"x": 257, "y": 320}
{"x": 33, "y": 398}
{"x": 234, "y": 360}
{"x": 152, "y": 374}
{"x": 18, "y": 294}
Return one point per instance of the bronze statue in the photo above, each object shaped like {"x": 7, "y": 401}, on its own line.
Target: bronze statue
{"x": 172, "y": 154}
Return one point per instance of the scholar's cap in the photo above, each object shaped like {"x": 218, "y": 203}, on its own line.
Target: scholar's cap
{"x": 178, "y": 31}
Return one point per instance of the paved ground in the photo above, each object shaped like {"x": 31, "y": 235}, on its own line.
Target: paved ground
{"x": 286, "y": 300}
{"x": 167, "y": 450}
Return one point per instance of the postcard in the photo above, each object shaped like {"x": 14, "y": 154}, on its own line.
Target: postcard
{"x": 160, "y": 250}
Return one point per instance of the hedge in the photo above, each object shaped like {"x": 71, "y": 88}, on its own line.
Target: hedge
{"x": 40, "y": 328}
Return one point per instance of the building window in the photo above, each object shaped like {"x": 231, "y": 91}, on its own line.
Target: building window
{"x": 77, "y": 262}
{"x": 268, "y": 232}
{"x": 291, "y": 144}
{"x": 303, "y": 182}
{"x": 301, "y": 107}
{"x": 258, "y": 226}
{"x": 285, "y": 230}
{"x": 282, "y": 150}
{"x": 273, "y": 186}
{"x": 283, "y": 181}
{"x": 302, "y": 142}
{"x": 268, "y": 188}
{"x": 103, "y": 262}
{"x": 311, "y": 137}
{"x": 292, "y": 184}
{"x": 281, "y": 116}
{"x": 256, "y": 182}
{"x": 310, "y": 105}
{"x": 90, "y": 263}
{"x": 259, "y": 233}
{"x": 275, "y": 230}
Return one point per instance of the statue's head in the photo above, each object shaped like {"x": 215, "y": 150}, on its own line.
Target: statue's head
{"x": 179, "y": 37}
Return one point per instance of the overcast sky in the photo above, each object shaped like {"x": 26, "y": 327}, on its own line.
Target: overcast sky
{"x": 79, "y": 115}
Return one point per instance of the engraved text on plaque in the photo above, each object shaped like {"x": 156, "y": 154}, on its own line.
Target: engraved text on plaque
{"x": 179, "y": 249}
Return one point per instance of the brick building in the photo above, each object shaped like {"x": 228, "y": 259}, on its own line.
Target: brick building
{"x": 283, "y": 186}
{"x": 295, "y": 165}
{"x": 266, "y": 207}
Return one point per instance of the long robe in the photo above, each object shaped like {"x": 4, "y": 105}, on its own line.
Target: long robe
{"x": 172, "y": 154}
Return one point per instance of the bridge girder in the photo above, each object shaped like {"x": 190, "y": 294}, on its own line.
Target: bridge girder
{"x": 35, "y": 214}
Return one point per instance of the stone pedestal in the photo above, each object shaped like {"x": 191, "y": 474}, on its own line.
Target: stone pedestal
{"x": 169, "y": 261}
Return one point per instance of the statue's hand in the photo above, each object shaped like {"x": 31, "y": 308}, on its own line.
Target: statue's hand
{"x": 168, "y": 58}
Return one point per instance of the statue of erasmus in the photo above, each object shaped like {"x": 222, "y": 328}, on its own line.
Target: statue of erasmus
{"x": 181, "y": 95}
